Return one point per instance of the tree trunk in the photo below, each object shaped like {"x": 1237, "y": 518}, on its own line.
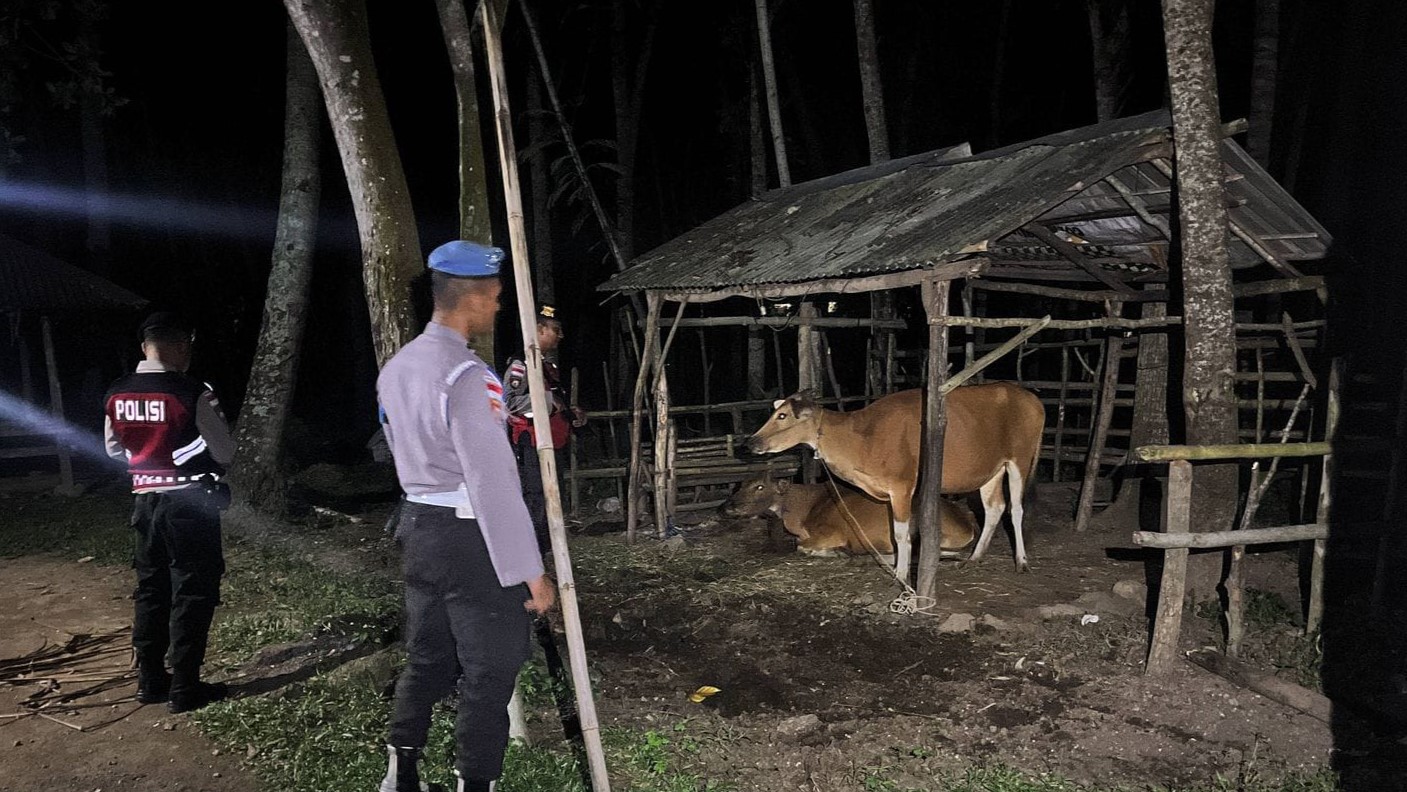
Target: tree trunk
{"x": 994, "y": 93}
{"x": 336, "y": 35}
{"x": 1109, "y": 42}
{"x": 1209, "y": 329}
{"x": 257, "y": 470}
{"x": 474, "y": 221}
{"x": 95, "y": 181}
{"x": 541, "y": 191}
{"x": 1264, "y": 70}
{"x": 769, "y": 79}
{"x": 871, "y": 88}
{"x": 757, "y": 135}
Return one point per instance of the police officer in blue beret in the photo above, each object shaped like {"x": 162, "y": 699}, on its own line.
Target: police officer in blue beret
{"x": 471, "y": 563}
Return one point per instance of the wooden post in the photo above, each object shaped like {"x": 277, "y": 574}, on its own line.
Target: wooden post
{"x": 27, "y": 367}
{"x": 808, "y": 367}
{"x": 774, "y": 109}
{"x": 56, "y": 406}
{"x": 654, "y": 302}
{"x": 1060, "y": 413}
{"x": 935, "y": 427}
{"x": 830, "y": 371}
{"x": 707, "y": 370}
{"x": 671, "y": 468}
{"x": 664, "y": 460}
{"x": 777, "y": 353}
{"x": 1167, "y": 625}
{"x": 756, "y": 364}
{"x": 522, "y": 272}
{"x": 969, "y": 347}
{"x": 1113, "y": 348}
{"x": 1314, "y": 615}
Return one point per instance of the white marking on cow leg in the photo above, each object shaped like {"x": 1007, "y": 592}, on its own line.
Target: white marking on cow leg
{"x": 887, "y": 558}
{"x": 1018, "y": 513}
{"x": 993, "y": 505}
{"x": 902, "y": 549}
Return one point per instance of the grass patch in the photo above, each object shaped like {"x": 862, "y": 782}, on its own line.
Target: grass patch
{"x": 1275, "y": 637}
{"x": 331, "y": 735}
{"x": 92, "y": 525}
{"x": 273, "y": 597}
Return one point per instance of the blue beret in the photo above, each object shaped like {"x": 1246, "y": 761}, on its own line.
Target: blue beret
{"x": 466, "y": 259}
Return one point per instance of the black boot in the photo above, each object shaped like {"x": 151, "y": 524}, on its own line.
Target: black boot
{"x": 189, "y": 693}
{"x": 402, "y": 771}
{"x": 154, "y": 685}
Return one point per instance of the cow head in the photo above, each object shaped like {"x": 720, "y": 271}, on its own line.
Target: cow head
{"x": 795, "y": 420}
{"x": 756, "y": 497}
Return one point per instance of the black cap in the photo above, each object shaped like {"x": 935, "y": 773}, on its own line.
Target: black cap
{"x": 168, "y": 322}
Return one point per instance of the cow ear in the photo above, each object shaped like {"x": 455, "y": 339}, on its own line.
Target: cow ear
{"x": 783, "y": 485}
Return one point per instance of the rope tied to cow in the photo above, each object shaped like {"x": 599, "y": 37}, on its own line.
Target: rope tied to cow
{"x": 909, "y": 602}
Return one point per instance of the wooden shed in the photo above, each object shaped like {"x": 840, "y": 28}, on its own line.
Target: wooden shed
{"x": 39, "y": 293}
{"x": 1074, "y": 227}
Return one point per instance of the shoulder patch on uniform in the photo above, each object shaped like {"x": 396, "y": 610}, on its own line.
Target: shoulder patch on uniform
{"x": 494, "y": 387}
{"x": 457, "y": 372}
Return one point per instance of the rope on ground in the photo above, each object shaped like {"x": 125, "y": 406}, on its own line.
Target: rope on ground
{"x": 910, "y": 601}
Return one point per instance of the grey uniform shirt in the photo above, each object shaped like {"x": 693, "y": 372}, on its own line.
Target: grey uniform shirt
{"x": 446, "y": 425}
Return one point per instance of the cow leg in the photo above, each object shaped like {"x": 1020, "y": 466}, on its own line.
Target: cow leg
{"x": 903, "y": 549}
{"x": 993, "y": 506}
{"x": 1018, "y": 513}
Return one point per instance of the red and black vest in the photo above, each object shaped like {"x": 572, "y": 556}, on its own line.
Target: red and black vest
{"x": 153, "y": 415}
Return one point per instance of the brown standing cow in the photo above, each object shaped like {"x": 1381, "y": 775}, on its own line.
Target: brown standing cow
{"x": 994, "y": 434}
{"x": 824, "y": 527}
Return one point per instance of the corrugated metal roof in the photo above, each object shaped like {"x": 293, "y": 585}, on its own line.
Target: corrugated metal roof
{"x": 32, "y": 280}
{"x": 932, "y": 208}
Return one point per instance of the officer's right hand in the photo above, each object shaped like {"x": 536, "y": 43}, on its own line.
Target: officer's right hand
{"x": 544, "y": 595}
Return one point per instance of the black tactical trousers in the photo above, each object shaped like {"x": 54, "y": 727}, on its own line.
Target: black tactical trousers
{"x": 530, "y": 471}
{"x": 179, "y": 562}
{"x": 458, "y": 620}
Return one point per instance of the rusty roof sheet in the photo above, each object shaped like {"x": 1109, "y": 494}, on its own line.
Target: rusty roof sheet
{"x": 32, "y": 280}
{"x": 933, "y": 208}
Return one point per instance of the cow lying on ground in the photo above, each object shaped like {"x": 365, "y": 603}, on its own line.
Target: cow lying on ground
{"x": 811, "y": 514}
{"x": 994, "y": 434}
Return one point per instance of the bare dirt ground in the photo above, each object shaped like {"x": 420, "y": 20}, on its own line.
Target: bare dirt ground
{"x": 824, "y": 688}
{"x": 45, "y": 601}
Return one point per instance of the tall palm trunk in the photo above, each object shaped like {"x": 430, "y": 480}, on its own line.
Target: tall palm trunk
{"x": 257, "y": 468}
{"x": 1209, "y": 329}
{"x": 336, "y": 35}
{"x": 1109, "y": 42}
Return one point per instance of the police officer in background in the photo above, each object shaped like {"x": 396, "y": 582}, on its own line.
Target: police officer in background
{"x": 471, "y": 565}
{"x": 565, "y": 416}
{"x": 168, "y": 429}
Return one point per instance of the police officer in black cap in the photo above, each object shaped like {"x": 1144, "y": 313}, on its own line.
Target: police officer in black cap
{"x": 564, "y": 416}
{"x": 168, "y": 429}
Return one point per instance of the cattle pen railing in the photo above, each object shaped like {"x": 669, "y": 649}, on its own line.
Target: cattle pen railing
{"x": 1178, "y": 539}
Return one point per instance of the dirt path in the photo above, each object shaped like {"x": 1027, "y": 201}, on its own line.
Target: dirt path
{"x": 45, "y": 601}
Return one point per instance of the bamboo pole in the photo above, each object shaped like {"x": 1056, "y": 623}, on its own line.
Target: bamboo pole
{"x": 1060, "y": 412}
{"x": 1205, "y": 453}
{"x": 1104, "y": 415}
{"x": 935, "y": 425}
{"x": 830, "y": 370}
{"x": 1314, "y": 615}
{"x": 566, "y": 582}
{"x": 1215, "y": 539}
{"x": 988, "y": 359}
{"x": 1167, "y": 624}
{"x": 653, "y": 304}
{"x": 774, "y": 109}
{"x": 56, "y": 406}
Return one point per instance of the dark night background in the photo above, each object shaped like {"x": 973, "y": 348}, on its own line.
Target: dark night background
{"x": 195, "y": 155}
{"x": 201, "y": 133}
